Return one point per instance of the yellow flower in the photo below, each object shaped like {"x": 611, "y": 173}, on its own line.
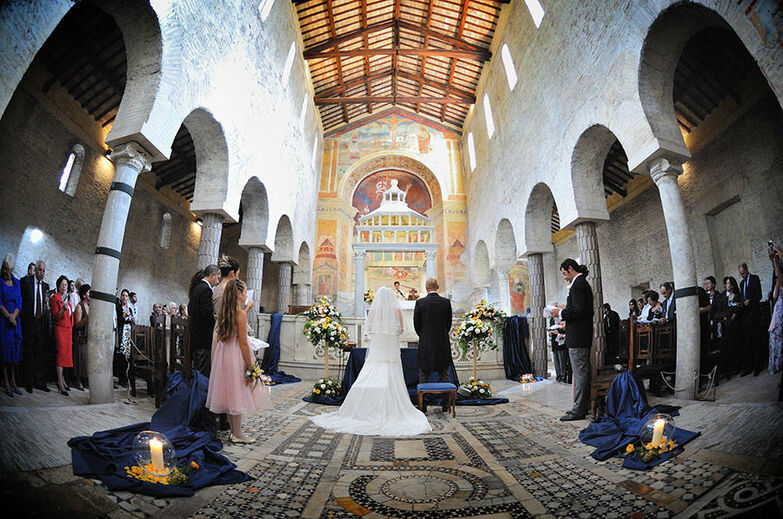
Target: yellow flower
{"x": 194, "y": 465}
{"x": 671, "y": 444}
{"x": 629, "y": 448}
{"x": 317, "y": 391}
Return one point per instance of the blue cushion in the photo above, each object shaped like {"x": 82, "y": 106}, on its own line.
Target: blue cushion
{"x": 436, "y": 386}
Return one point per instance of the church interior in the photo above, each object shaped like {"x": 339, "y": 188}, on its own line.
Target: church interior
{"x": 335, "y": 147}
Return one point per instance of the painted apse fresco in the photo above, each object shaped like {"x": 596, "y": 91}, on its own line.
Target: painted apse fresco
{"x": 358, "y": 164}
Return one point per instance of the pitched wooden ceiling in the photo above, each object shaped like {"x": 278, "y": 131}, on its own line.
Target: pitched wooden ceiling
{"x": 423, "y": 55}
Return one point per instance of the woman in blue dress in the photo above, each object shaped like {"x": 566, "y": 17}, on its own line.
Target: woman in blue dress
{"x": 10, "y": 325}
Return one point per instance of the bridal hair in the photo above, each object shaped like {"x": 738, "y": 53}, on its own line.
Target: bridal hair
{"x": 571, "y": 263}
{"x": 227, "y": 315}
{"x": 383, "y": 317}
{"x": 227, "y": 264}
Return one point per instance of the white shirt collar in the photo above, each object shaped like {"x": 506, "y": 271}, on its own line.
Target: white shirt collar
{"x": 208, "y": 284}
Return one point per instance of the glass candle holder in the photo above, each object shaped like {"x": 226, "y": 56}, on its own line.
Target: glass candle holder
{"x": 154, "y": 453}
{"x": 657, "y": 431}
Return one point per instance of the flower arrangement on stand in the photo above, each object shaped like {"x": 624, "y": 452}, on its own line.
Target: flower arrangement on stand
{"x": 325, "y": 387}
{"x": 369, "y": 296}
{"x": 476, "y": 328}
{"x": 325, "y": 325}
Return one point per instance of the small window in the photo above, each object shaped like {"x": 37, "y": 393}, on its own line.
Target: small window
{"x": 488, "y": 117}
{"x": 508, "y": 64}
{"x": 471, "y": 152}
{"x": 536, "y": 11}
{"x": 264, "y": 8}
{"x": 289, "y": 64}
{"x": 315, "y": 151}
{"x": 303, "y": 112}
{"x": 165, "y": 231}
{"x": 69, "y": 176}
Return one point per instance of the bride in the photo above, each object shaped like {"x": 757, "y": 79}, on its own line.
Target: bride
{"x": 378, "y": 402}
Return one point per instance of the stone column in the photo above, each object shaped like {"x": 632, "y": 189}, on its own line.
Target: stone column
{"x": 130, "y": 160}
{"x": 538, "y": 324}
{"x": 302, "y": 293}
{"x": 587, "y": 242}
{"x": 358, "y": 290}
{"x": 664, "y": 174}
{"x": 504, "y": 292}
{"x": 429, "y": 264}
{"x": 255, "y": 277}
{"x": 284, "y": 286}
{"x": 209, "y": 248}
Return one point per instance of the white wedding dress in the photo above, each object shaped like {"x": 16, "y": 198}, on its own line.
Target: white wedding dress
{"x": 378, "y": 402}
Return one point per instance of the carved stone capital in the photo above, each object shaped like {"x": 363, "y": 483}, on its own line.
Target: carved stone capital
{"x": 359, "y": 254}
{"x": 133, "y": 155}
{"x": 661, "y": 169}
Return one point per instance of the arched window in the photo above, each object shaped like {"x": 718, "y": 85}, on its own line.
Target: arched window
{"x": 508, "y": 64}
{"x": 264, "y": 8}
{"x": 69, "y": 177}
{"x": 289, "y": 64}
{"x": 536, "y": 11}
{"x": 165, "y": 231}
{"x": 471, "y": 152}
{"x": 488, "y": 117}
{"x": 303, "y": 112}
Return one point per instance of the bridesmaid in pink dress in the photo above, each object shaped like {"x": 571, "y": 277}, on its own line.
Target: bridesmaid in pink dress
{"x": 230, "y": 391}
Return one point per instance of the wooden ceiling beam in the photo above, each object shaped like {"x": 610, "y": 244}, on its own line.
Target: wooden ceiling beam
{"x": 437, "y": 84}
{"x": 390, "y": 99}
{"x": 362, "y": 81}
{"x": 456, "y": 42}
{"x": 366, "y": 45}
{"x": 337, "y": 40}
{"x": 483, "y": 55}
{"x": 423, "y": 70}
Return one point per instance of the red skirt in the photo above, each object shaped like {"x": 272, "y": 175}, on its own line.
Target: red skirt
{"x": 63, "y": 339}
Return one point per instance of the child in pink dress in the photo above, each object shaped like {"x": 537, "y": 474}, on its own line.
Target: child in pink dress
{"x": 230, "y": 391}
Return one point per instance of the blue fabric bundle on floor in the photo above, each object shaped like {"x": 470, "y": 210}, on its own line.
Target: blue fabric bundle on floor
{"x": 272, "y": 354}
{"x": 626, "y": 412}
{"x": 105, "y": 454}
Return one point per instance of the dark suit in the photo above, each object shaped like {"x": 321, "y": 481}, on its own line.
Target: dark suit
{"x": 202, "y": 324}
{"x": 612, "y": 329}
{"x": 35, "y": 331}
{"x": 753, "y": 349}
{"x": 432, "y": 322}
{"x": 578, "y": 315}
{"x": 670, "y": 308}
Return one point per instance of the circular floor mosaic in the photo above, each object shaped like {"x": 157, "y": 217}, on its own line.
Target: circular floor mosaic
{"x": 419, "y": 489}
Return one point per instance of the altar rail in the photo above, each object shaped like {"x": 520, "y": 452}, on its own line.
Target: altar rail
{"x": 299, "y": 358}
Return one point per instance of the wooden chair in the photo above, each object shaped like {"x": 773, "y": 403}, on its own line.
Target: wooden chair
{"x": 179, "y": 346}
{"x": 142, "y": 358}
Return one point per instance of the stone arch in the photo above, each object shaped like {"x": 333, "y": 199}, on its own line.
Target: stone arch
{"x": 255, "y": 215}
{"x": 303, "y": 268}
{"x": 212, "y": 163}
{"x": 370, "y": 165}
{"x": 666, "y": 38}
{"x": 481, "y": 272}
{"x": 538, "y": 220}
{"x": 587, "y": 164}
{"x": 505, "y": 244}
{"x": 284, "y": 241}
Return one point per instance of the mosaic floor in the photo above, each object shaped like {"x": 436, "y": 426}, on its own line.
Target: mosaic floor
{"x": 511, "y": 460}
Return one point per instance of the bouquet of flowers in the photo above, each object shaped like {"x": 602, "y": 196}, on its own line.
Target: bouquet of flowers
{"x": 327, "y": 329}
{"x": 528, "y": 378}
{"x": 488, "y": 313}
{"x": 473, "y": 330}
{"x": 648, "y": 452}
{"x": 178, "y": 475}
{"x": 369, "y": 296}
{"x": 325, "y": 387}
{"x": 478, "y": 389}
{"x": 256, "y": 374}
{"x": 323, "y": 308}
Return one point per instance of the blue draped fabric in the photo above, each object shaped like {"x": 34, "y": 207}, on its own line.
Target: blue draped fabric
{"x": 272, "y": 354}
{"x": 105, "y": 454}
{"x": 410, "y": 371}
{"x": 626, "y": 412}
{"x": 516, "y": 361}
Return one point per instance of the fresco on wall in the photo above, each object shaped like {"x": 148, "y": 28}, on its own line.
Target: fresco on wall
{"x": 325, "y": 261}
{"x": 519, "y": 284}
{"x": 369, "y": 193}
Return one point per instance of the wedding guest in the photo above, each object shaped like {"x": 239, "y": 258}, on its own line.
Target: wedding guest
{"x": 156, "y": 311}
{"x": 35, "y": 327}
{"x": 644, "y": 314}
{"x": 656, "y": 309}
{"x": 729, "y": 310}
{"x": 10, "y": 325}
{"x": 133, "y": 300}
{"x": 633, "y": 309}
{"x": 560, "y": 353}
{"x": 183, "y": 312}
{"x": 202, "y": 319}
{"x": 73, "y": 293}
{"x": 668, "y": 304}
{"x": 229, "y": 269}
{"x": 714, "y": 297}
{"x": 750, "y": 321}
{"x": 776, "y": 323}
{"x": 173, "y": 307}
{"x": 123, "y": 350}
{"x": 612, "y": 330}
{"x": 81, "y": 316}
{"x": 230, "y": 391}
{"x": 62, "y": 327}
{"x": 30, "y": 270}
{"x": 578, "y": 316}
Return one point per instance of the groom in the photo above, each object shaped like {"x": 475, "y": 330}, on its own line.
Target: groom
{"x": 432, "y": 322}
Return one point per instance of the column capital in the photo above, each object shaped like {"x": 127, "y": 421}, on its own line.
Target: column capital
{"x": 359, "y": 253}
{"x": 503, "y": 270}
{"x": 133, "y": 154}
{"x": 661, "y": 168}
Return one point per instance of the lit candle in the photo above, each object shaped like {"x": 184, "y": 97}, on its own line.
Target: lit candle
{"x": 657, "y": 438}
{"x": 156, "y": 455}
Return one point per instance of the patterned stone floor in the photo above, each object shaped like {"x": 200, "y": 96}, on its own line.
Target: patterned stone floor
{"x": 512, "y": 460}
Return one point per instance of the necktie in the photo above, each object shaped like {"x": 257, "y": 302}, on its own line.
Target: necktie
{"x": 665, "y": 305}
{"x": 37, "y": 299}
